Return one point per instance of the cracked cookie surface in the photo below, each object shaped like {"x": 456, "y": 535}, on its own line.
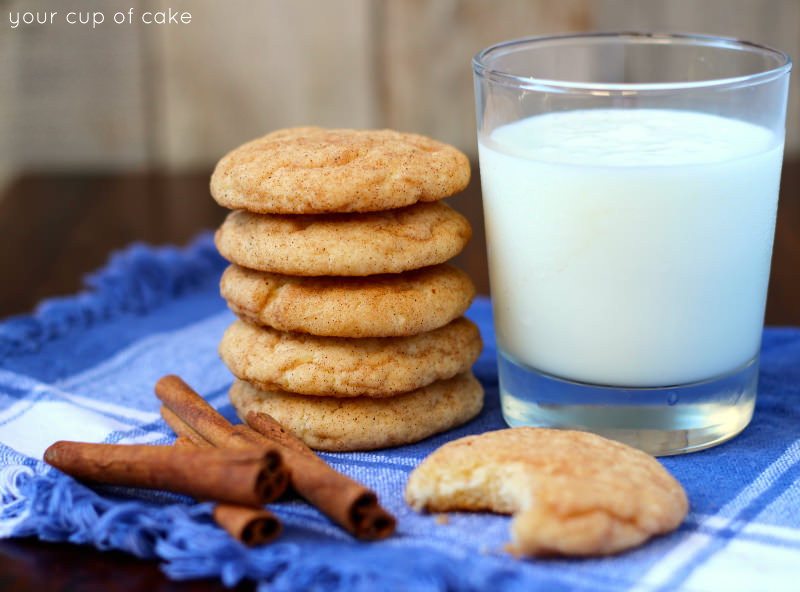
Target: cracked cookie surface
{"x": 571, "y": 493}
{"x": 362, "y": 423}
{"x": 344, "y": 244}
{"x": 312, "y": 170}
{"x": 388, "y": 305}
{"x": 343, "y": 367}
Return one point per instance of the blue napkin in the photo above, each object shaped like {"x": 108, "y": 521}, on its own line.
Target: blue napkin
{"x": 83, "y": 368}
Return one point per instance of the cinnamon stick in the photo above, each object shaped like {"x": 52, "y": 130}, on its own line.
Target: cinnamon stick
{"x": 194, "y": 410}
{"x": 186, "y": 442}
{"x": 268, "y": 426}
{"x": 181, "y": 428}
{"x": 345, "y": 501}
{"x": 250, "y": 526}
{"x": 246, "y": 477}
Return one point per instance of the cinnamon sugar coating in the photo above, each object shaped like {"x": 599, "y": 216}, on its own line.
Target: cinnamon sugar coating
{"x": 344, "y": 244}
{"x": 571, "y": 493}
{"x": 312, "y": 170}
{"x": 342, "y": 367}
{"x": 364, "y": 423}
{"x": 388, "y": 305}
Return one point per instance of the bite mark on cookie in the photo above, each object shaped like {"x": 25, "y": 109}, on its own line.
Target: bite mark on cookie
{"x": 571, "y": 493}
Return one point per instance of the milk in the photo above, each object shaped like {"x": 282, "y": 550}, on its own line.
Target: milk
{"x": 630, "y": 247}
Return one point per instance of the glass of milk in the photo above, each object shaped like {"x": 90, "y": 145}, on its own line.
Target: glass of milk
{"x": 630, "y": 185}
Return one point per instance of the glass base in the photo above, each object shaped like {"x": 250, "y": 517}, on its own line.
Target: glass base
{"x": 660, "y": 421}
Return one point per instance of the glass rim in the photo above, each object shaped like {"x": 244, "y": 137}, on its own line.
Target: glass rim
{"x": 482, "y": 69}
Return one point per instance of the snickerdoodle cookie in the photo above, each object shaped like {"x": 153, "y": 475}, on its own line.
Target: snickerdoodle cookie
{"x": 389, "y": 305}
{"x": 312, "y": 170}
{"x": 571, "y": 493}
{"x": 344, "y": 244}
{"x": 363, "y": 423}
{"x": 343, "y": 367}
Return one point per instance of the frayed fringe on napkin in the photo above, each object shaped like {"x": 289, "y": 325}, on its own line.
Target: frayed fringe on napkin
{"x": 54, "y": 507}
{"x": 135, "y": 280}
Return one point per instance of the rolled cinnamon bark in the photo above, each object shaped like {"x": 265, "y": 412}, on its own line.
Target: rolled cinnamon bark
{"x": 248, "y": 525}
{"x": 187, "y": 442}
{"x": 268, "y": 426}
{"x": 345, "y": 501}
{"x": 193, "y": 410}
{"x": 181, "y": 428}
{"x": 246, "y": 477}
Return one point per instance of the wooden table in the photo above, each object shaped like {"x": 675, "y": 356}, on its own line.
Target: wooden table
{"x": 28, "y": 565}
{"x": 57, "y": 228}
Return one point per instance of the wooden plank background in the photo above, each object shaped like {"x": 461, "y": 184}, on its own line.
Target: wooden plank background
{"x": 176, "y": 97}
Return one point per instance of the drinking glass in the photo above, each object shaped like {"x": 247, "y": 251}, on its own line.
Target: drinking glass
{"x": 630, "y": 187}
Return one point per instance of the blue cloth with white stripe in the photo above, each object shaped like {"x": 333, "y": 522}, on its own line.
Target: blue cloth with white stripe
{"x": 83, "y": 368}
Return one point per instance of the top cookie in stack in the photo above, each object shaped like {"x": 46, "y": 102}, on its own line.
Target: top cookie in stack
{"x": 350, "y": 329}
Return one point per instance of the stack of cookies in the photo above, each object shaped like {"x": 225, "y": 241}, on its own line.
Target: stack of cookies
{"x": 350, "y": 329}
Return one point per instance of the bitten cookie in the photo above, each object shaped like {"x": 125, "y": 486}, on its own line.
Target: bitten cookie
{"x": 344, "y": 244}
{"x": 342, "y": 367}
{"x": 311, "y": 170}
{"x": 571, "y": 493}
{"x": 376, "y": 306}
{"x": 338, "y": 425}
